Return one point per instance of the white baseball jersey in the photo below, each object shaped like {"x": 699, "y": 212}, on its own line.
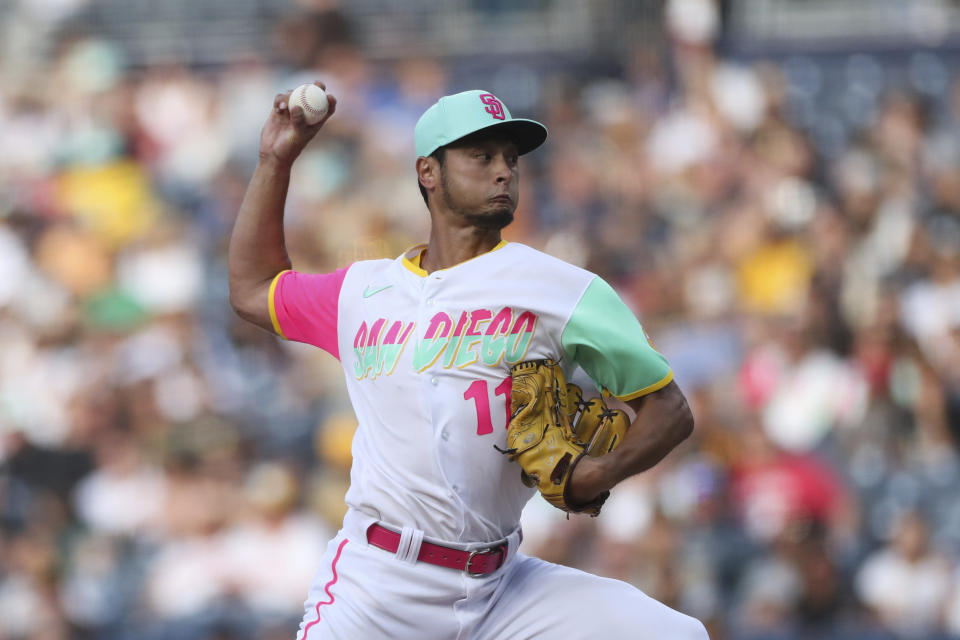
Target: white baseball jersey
{"x": 427, "y": 361}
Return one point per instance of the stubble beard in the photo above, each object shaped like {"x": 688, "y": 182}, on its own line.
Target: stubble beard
{"x": 494, "y": 220}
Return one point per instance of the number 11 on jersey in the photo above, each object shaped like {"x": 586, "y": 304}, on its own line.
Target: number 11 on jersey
{"x": 479, "y": 393}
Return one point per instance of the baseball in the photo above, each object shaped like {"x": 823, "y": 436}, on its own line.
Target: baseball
{"x": 312, "y": 99}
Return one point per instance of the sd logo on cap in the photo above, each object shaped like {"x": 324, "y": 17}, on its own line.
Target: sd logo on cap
{"x": 459, "y": 115}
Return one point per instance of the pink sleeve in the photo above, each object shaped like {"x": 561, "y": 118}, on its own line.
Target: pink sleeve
{"x": 303, "y": 307}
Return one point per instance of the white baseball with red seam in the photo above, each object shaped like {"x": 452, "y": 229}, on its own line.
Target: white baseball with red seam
{"x": 312, "y": 99}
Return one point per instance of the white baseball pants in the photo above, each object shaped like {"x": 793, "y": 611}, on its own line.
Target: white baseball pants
{"x": 362, "y": 592}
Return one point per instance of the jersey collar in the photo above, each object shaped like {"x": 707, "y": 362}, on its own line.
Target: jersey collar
{"x": 411, "y": 258}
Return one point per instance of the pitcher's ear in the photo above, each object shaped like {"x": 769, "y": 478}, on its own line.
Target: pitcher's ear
{"x": 428, "y": 172}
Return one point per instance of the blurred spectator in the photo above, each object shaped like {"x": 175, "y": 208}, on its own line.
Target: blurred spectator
{"x": 907, "y": 583}
{"x": 775, "y": 490}
{"x": 272, "y": 528}
{"x": 125, "y": 494}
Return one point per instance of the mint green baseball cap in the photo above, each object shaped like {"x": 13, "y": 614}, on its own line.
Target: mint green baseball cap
{"x": 459, "y": 115}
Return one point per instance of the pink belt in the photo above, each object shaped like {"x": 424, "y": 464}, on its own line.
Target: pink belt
{"x": 478, "y": 562}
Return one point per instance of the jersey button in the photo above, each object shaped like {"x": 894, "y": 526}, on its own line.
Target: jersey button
{"x": 434, "y": 381}
{"x": 444, "y": 435}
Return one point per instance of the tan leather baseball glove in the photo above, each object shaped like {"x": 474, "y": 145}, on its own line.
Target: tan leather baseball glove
{"x": 552, "y": 427}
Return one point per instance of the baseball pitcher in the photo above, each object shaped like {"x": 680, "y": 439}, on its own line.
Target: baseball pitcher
{"x": 456, "y": 356}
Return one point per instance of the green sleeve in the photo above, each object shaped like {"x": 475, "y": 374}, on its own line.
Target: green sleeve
{"x": 606, "y": 339}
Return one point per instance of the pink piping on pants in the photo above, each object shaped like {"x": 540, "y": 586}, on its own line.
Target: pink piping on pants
{"x": 326, "y": 588}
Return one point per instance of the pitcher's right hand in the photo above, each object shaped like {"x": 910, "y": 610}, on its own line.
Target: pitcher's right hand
{"x": 286, "y": 132}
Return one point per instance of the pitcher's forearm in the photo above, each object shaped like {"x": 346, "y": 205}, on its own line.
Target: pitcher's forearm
{"x": 663, "y": 421}
{"x": 647, "y": 444}
{"x": 257, "y": 248}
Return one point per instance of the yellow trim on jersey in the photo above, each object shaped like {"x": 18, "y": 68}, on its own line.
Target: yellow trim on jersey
{"x": 272, "y": 305}
{"x": 413, "y": 264}
{"x": 660, "y": 384}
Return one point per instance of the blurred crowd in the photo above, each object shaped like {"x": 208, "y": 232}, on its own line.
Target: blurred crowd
{"x": 787, "y": 230}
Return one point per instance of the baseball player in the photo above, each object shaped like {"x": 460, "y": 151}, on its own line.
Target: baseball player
{"x": 427, "y": 342}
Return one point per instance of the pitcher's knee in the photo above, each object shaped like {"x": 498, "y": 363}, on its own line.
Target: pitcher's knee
{"x": 693, "y": 630}
{"x": 679, "y": 626}
{"x": 661, "y": 624}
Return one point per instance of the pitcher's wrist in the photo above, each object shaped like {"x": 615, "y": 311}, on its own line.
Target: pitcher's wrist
{"x": 589, "y": 480}
{"x": 274, "y": 162}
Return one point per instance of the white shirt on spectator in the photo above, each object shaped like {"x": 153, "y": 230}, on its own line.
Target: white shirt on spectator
{"x": 909, "y": 597}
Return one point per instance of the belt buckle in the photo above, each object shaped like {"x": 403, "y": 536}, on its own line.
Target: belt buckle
{"x": 476, "y": 552}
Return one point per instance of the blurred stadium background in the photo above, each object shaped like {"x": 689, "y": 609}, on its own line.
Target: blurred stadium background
{"x": 773, "y": 185}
